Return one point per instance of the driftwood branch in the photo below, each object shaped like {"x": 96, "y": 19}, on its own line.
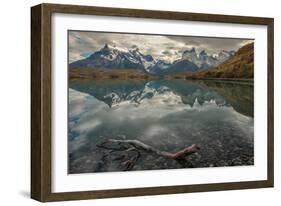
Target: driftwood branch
{"x": 176, "y": 156}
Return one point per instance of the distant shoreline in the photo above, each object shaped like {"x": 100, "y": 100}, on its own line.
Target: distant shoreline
{"x": 245, "y": 80}
{"x": 132, "y": 74}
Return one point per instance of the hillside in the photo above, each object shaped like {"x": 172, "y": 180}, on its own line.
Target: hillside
{"x": 103, "y": 74}
{"x": 241, "y": 65}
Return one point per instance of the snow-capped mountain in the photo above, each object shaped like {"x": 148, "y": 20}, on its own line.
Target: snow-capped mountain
{"x": 224, "y": 55}
{"x": 180, "y": 65}
{"x": 159, "y": 67}
{"x": 205, "y": 61}
{"x": 191, "y": 55}
{"x": 146, "y": 60}
{"x": 190, "y": 62}
{"x": 112, "y": 57}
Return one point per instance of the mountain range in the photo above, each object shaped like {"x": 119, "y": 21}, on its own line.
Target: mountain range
{"x": 239, "y": 66}
{"x": 112, "y": 57}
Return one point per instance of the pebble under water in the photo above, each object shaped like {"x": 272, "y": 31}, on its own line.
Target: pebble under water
{"x": 167, "y": 115}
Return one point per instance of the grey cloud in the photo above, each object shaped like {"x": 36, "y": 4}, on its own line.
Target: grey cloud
{"x": 167, "y": 52}
{"x": 211, "y": 45}
{"x": 168, "y": 48}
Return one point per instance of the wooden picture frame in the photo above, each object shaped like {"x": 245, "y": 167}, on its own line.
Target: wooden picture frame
{"x": 41, "y": 117}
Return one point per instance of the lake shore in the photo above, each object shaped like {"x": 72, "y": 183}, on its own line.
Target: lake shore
{"x": 137, "y": 75}
{"x": 102, "y": 74}
{"x": 165, "y": 114}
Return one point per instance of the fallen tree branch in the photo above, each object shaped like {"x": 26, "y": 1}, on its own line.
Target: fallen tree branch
{"x": 176, "y": 156}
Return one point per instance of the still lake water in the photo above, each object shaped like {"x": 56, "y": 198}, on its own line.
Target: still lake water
{"x": 168, "y": 115}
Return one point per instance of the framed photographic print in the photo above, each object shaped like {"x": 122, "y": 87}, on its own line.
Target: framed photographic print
{"x": 132, "y": 102}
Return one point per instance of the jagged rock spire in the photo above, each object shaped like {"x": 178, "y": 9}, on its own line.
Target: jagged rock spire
{"x": 203, "y": 52}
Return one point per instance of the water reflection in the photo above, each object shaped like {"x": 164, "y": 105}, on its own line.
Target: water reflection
{"x": 167, "y": 115}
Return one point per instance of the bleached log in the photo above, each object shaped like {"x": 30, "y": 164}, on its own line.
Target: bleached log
{"x": 177, "y": 155}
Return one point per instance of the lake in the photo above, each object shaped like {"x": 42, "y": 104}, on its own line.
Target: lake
{"x": 167, "y": 115}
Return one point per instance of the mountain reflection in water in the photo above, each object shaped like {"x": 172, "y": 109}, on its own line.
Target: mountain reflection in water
{"x": 166, "y": 114}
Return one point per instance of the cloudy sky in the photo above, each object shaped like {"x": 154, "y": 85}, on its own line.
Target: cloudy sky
{"x": 168, "y": 48}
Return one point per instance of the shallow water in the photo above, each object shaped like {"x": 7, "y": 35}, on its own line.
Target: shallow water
{"x": 168, "y": 115}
